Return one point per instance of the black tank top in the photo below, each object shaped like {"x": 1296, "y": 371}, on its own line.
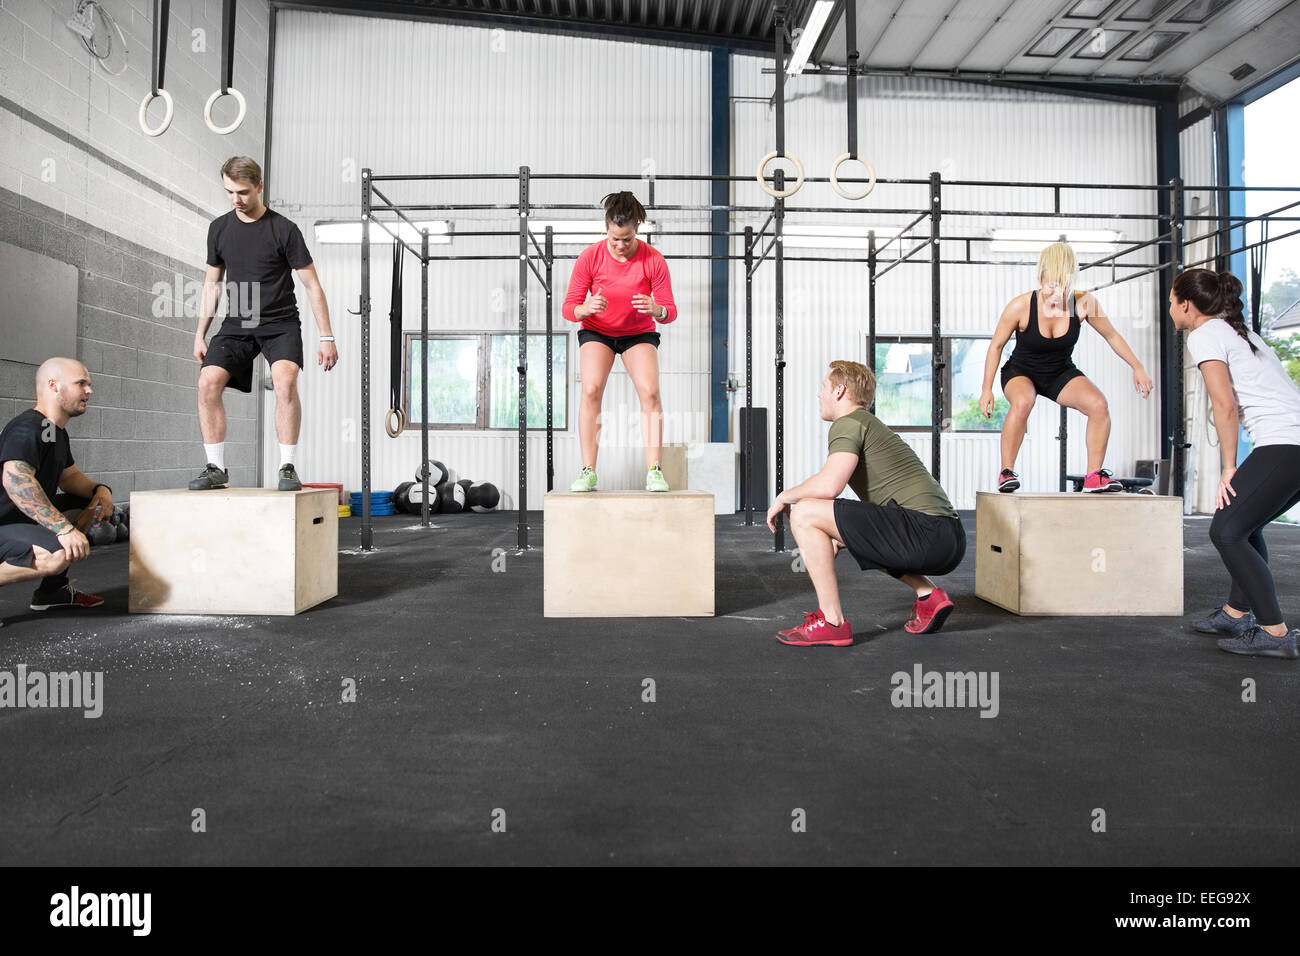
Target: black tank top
{"x": 1036, "y": 353}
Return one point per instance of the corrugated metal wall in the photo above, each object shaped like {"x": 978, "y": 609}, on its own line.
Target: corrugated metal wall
{"x": 409, "y": 97}
{"x": 494, "y": 100}
{"x": 908, "y": 128}
{"x": 1196, "y": 148}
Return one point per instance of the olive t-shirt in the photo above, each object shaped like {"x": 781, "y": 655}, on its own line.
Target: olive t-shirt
{"x": 888, "y": 469}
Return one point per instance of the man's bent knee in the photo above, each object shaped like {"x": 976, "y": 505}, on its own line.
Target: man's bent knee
{"x": 49, "y": 562}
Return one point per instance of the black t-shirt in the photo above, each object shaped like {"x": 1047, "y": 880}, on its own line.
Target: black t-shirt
{"x": 259, "y": 259}
{"x": 33, "y": 438}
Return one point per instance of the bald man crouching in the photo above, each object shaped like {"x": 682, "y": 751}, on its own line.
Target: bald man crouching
{"x": 36, "y": 540}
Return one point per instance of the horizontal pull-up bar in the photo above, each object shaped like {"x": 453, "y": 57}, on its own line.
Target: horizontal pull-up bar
{"x": 1247, "y": 247}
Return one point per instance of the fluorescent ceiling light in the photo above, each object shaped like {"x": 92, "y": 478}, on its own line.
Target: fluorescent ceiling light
{"x": 574, "y": 232}
{"x": 348, "y": 232}
{"x": 812, "y": 31}
{"x": 837, "y": 237}
{"x": 1035, "y": 240}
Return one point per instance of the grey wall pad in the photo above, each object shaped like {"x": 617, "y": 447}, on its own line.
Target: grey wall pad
{"x": 38, "y": 306}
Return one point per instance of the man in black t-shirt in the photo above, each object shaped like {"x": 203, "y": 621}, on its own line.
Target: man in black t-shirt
{"x": 36, "y": 540}
{"x": 253, "y": 253}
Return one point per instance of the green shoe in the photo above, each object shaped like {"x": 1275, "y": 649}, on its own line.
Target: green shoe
{"x": 586, "y": 481}
{"x": 655, "y": 480}
{"x": 288, "y": 479}
{"x": 209, "y": 478}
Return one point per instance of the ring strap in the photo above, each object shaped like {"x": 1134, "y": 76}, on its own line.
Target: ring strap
{"x": 227, "y": 45}
{"x": 161, "y": 19}
{"x": 395, "y": 330}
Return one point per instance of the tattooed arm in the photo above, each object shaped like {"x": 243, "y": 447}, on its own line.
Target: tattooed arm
{"x": 29, "y": 498}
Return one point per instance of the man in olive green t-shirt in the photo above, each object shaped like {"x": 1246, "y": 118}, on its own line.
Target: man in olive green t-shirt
{"x": 902, "y": 524}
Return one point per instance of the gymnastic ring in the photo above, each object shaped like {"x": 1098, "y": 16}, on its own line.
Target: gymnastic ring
{"x": 783, "y": 193}
{"x": 144, "y": 113}
{"x": 207, "y": 111}
{"x": 394, "y": 430}
{"x": 835, "y": 178}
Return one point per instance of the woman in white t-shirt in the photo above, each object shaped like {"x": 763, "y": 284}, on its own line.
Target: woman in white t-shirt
{"x": 1247, "y": 385}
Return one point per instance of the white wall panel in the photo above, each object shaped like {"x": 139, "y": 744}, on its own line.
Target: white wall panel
{"x": 908, "y": 128}
{"x": 407, "y": 98}
{"x": 491, "y": 101}
{"x": 1196, "y": 147}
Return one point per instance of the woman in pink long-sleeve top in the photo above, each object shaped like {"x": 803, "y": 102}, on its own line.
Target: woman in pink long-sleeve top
{"x": 619, "y": 289}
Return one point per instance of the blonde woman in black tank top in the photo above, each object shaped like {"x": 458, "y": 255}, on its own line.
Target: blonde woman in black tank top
{"x": 1041, "y": 364}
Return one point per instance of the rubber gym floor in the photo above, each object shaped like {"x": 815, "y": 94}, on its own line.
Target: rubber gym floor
{"x": 472, "y": 710}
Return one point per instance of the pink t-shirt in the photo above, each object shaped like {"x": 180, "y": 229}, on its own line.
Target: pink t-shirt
{"x": 645, "y": 273}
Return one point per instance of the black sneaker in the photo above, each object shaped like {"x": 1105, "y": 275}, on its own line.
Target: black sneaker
{"x": 1261, "y": 643}
{"x": 209, "y": 478}
{"x": 289, "y": 479}
{"x": 1220, "y": 621}
{"x": 66, "y": 596}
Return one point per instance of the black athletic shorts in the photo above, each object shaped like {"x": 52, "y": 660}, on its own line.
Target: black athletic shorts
{"x": 618, "y": 343}
{"x": 236, "y": 351}
{"x": 899, "y": 540}
{"x": 1048, "y": 385}
{"x": 17, "y": 539}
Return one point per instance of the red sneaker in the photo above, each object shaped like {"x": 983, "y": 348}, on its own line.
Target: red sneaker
{"x": 66, "y": 596}
{"x": 1100, "y": 480}
{"x": 1008, "y": 481}
{"x": 928, "y": 614}
{"x": 816, "y": 630}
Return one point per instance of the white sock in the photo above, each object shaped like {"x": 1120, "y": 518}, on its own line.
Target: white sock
{"x": 216, "y": 454}
{"x": 287, "y": 455}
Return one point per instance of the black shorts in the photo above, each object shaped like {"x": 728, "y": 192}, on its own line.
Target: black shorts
{"x": 236, "y": 351}
{"x": 617, "y": 343}
{"x": 899, "y": 540}
{"x": 17, "y": 539}
{"x": 1046, "y": 384}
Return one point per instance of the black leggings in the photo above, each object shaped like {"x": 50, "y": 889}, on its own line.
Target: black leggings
{"x": 1267, "y": 485}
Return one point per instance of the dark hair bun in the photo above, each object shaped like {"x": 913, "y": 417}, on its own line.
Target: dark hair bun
{"x": 622, "y": 209}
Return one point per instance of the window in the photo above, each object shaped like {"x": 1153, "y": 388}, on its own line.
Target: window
{"x": 904, "y": 373}
{"x": 904, "y": 384}
{"x": 965, "y": 366}
{"x": 1089, "y": 9}
{"x": 1101, "y": 43}
{"x": 1151, "y": 46}
{"x": 503, "y": 381}
{"x": 473, "y": 382}
{"x": 1199, "y": 11}
{"x": 1144, "y": 10}
{"x": 1054, "y": 41}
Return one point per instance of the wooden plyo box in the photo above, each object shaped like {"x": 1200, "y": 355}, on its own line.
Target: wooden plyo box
{"x": 627, "y": 554}
{"x": 1080, "y": 554}
{"x": 233, "y": 551}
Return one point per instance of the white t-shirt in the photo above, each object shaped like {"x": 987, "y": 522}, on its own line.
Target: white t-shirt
{"x": 1269, "y": 400}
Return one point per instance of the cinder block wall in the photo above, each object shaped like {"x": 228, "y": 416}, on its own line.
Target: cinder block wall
{"x": 82, "y": 184}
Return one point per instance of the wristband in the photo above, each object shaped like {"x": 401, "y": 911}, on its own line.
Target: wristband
{"x": 327, "y": 338}
{"x": 97, "y": 487}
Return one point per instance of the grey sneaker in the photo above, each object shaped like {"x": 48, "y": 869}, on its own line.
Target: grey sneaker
{"x": 1220, "y": 621}
{"x": 1260, "y": 643}
{"x": 209, "y": 478}
{"x": 289, "y": 480}
{"x": 586, "y": 480}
